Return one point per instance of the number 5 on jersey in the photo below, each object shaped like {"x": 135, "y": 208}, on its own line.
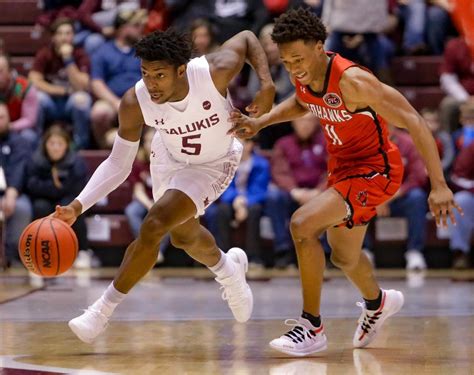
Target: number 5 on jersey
{"x": 332, "y": 134}
{"x": 190, "y": 148}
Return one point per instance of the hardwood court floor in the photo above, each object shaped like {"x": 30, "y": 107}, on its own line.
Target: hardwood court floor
{"x": 180, "y": 326}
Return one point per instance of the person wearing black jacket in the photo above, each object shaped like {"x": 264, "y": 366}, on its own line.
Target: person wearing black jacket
{"x": 55, "y": 175}
{"x": 15, "y": 207}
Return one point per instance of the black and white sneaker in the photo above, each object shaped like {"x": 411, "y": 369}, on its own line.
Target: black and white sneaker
{"x": 303, "y": 339}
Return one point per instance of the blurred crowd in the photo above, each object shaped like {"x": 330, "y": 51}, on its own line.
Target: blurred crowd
{"x": 70, "y": 98}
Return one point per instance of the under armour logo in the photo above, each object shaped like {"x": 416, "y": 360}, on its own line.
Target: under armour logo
{"x": 158, "y": 122}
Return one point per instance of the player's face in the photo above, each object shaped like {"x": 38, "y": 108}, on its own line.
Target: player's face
{"x": 302, "y": 60}
{"x": 161, "y": 80}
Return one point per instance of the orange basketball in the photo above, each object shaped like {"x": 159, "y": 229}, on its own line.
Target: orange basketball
{"x": 48, "y": 247}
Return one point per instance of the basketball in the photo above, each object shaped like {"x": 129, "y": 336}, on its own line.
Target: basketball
{"x": 48, "y": 247}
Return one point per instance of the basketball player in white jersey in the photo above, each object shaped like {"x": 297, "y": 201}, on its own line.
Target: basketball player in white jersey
{"x": 193, "y": 160}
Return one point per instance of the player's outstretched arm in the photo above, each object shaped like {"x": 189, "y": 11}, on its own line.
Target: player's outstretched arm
{"x": 228, "y": 61}
{"x": 361, "y": 89}
{"x": 246, "y": 127}
{"x": 118, "y": 165}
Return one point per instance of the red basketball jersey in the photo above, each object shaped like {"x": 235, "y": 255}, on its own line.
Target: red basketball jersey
{"x": 357, "y": 142}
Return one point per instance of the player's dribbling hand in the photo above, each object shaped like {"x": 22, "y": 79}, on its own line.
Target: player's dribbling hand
{"x": 442, "y": 205}
{"x": 242, "y": 126}
{"x": 65, "y": 213}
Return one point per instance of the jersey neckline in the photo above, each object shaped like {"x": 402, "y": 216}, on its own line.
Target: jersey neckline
{"x": 320, "y": 94}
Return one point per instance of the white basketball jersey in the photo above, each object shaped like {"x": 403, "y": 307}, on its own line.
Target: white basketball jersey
{"x": 193, "y": 130}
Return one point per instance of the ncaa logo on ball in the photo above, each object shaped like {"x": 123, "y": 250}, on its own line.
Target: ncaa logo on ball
{"x": 332, "y": 100}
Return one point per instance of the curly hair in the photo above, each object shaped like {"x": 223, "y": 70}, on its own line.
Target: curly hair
{"x": 298, "y": 24}
{"x": 171, "y": 46}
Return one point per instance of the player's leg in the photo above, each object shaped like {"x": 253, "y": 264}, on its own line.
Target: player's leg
{"x": 171, "y": 210}
{"x": 307, "y": 225}
{"x": 379, "y": 304}
{"x": 346, "y": 254}
{"x": 229, "y": 268}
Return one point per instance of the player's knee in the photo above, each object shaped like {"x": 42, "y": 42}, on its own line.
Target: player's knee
{"x": 153, "y": 228}
{"x": 343, "y": 262}
{"x": 301, "y": 229}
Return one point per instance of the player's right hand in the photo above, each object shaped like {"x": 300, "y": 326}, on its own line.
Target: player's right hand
{"x": 65, "y": 213}
{"x": 242, "y": 126}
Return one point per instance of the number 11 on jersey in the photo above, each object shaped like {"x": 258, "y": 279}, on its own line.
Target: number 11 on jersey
{"x": 333, "y": 135}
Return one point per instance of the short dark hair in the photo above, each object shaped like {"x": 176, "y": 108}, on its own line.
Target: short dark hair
{"x": 298, "y": 24}
{"x": 171, "y": 46}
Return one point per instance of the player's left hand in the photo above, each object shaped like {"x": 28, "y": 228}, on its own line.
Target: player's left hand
{"x": 262, "y": 103}
{"x": 442, "y": 204}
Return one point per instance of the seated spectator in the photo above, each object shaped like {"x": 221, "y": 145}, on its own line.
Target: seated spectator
{"x": 15, "y": 206}
{"x": 203, "y": 37}
{"x": 114, "y": 70}
{"x": 283, "y": 86}
{"x": 141, "y": 181}
{"x": 411, "y": 199}
{"x": 443, "y": 139}
{"x": 21, "y": 99}
{"x": 355, "y": 29}
{"x": 54, "y": 176}
{"x": 298, "y": 169}
{"x": 465, "y": 136}
{"x": 457, "y": 81}
{"x": 461, "y": 233}
{"x": 243, "y": 201}
{"x": 426, "y": 25}
{"x": 61, "y": 74}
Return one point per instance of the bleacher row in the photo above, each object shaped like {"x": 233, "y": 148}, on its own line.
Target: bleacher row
{"x": 416, "y": 77}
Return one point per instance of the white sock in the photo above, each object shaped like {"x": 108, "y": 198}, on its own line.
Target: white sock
{"x": 224, "y": 267}
{"x": 107, "y": 303}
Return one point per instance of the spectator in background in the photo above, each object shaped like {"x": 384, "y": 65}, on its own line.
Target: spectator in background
{"x": 443, "y": 139}
{"x": 61, "y": 74}
{"x": 15, "y": 206}
{"x": 464, "y": 136}
{"x": 114, "y": 70}
{"x": 55, "y": 175}
{"x": 410, "y": 200}
{"x": 283, "y": 86}
{"x": 355, "y": 29}
{"x": 457, "y": 81}
{"x": 243, "y": 201}
{"x": 21, "y": 99}
{"x": 461, "y": 233}
{"x": 234, "y": 16}
{"x": 316, "y": 6}
{"x": 203, "y": 37}
{"x": 184, "y": 12}
{"x": 298, "y": 169}
{"x": 426, "y": 25}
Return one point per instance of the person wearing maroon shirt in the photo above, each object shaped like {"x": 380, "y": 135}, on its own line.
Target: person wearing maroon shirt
{"x": 410, "y": 200}
{"x": 61, "y": 74}
{"x": 460, "y": 234}
{"x": 298, "y": 169}
{"x": 457, "y": 81}
{"x": 21, "y": 99}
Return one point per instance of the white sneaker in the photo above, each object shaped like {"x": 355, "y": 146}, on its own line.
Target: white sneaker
{"x": 89, "y": 325}
{"x": 371, "y": 321}
{"x": 236, "y": 291}
{"x": 303, "y": 339}
{"x": 415, "y": 260}
{"x": 83, "y": 260}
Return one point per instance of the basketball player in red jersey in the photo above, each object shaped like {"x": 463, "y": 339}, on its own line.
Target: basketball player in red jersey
{"x": 364, "y": 170}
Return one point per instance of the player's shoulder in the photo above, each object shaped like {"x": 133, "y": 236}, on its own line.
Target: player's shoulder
{"x": 355, "y": 80}
{"x": 129, "y": 105}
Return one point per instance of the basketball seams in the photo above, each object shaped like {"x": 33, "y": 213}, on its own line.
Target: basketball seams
{"x": 74, "y": 238}
{"x": 36, "y": 247}
{"x": 57, "y": 246}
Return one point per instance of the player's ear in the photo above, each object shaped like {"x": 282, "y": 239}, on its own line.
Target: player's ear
{"x": 181, "y": 70}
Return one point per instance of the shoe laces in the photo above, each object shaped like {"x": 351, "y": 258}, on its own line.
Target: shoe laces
{"x": 233, "y": 293}
{"x": 299, "y": 332}
{"x": 367, "y": 320}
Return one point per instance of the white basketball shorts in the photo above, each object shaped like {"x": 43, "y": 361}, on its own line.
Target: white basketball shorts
{"x": 203, "y": 183}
